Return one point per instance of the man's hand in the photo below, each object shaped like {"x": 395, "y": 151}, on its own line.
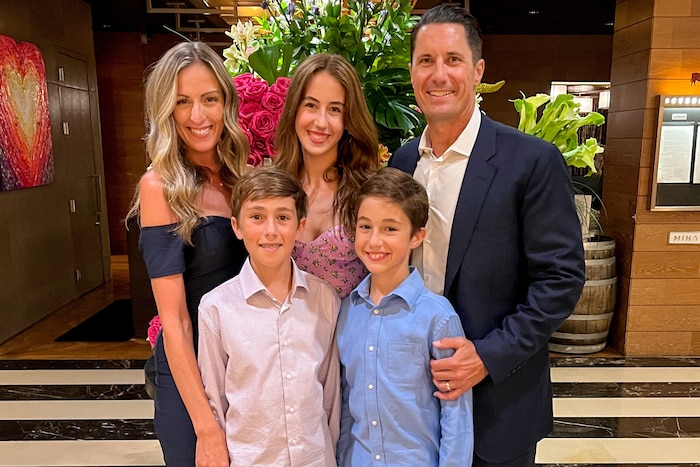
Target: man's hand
{"x": 455, "y": 375}
{"x": 211, "y": 449}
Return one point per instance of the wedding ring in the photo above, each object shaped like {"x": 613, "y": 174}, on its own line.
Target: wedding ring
{"x": 447, "y": 385}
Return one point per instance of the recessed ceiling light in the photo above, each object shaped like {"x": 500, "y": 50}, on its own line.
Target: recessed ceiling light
{"x": 533, "y": 12}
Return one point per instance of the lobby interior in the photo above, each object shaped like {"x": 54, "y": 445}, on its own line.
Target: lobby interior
{"x": 83, "y": 403}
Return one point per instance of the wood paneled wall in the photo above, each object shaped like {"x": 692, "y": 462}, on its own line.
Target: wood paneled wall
{"x": 655, "y": 50}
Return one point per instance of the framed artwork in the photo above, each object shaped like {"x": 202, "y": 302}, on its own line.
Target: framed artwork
{"x": 26, "y": 158}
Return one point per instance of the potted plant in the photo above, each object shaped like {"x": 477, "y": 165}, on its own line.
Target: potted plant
{"x": 559, "y": 123}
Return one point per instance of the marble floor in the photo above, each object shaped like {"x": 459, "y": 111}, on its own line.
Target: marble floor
{"x": 83, "y": 404}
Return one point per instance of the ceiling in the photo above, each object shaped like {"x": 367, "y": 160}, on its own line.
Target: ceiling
{"x": 207, "y": 19}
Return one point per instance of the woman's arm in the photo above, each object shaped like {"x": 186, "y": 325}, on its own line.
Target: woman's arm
{"x": 169, "y": 293}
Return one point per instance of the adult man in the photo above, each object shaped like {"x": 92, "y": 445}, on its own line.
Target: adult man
{"x": 503, "y": 243}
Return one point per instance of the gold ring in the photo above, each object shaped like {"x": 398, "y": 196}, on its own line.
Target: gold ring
{"x": 447, "y": 385}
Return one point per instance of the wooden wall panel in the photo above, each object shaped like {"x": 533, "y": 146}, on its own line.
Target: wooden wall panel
{"x": 664, "y": 318}
{"x": 672, "y": 8}
{"x": 666, "y": 265}
{"x": 664, "y": 292}
{"x": 654, "y": 237}
{"x": 629, "y": 68}
{"x": 629, "y": 12}
{"x": 662, "y": 343}
{"x": 632, "y": 39}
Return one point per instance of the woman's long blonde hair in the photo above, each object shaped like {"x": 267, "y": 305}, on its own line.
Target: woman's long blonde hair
{"x": 182, "y": 180}
{"x": 358, "y": 147}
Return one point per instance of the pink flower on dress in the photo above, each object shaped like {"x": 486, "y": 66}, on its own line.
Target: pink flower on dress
{"x": 153, "y": 330}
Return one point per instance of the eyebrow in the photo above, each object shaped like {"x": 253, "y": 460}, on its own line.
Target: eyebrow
{"x": 311, "y": 98}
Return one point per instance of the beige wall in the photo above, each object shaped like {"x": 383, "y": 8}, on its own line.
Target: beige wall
{"x": 655, "y": 50}
{"x": 38, "y": 253}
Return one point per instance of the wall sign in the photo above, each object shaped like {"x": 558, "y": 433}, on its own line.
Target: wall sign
{"x": 26, "y": 159}
{"x": 676, "y": 176}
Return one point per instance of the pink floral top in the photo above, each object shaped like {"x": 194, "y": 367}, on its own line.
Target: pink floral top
{"x": 331, "y": 257}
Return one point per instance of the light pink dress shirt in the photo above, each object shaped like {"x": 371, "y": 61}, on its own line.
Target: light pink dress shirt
{"x": 271, "y": 370}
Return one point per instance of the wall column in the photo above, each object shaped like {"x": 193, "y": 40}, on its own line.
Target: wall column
{"x": 656, "y": 47}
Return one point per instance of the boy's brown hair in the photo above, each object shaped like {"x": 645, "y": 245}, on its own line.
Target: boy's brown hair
{"x": 268, "y": 182}
{"x": 400, "y": 188}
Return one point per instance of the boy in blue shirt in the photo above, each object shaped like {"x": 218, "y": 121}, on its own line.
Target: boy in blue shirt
{"x": 386, "y": 328}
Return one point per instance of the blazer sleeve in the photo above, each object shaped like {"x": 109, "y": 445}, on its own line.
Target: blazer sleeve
{"x": 550, "y": 273}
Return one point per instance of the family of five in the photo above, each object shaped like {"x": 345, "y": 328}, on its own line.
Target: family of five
{"x": 324, "y": 311}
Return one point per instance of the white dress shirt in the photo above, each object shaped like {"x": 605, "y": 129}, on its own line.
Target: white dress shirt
{"x": 271, "y": 370}
{"x": 442, "y": 178}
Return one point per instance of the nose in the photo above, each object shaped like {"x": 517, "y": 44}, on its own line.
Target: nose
{"x": 270, "y": 227}
{"x": 439, "y": 70}
{"x": 198, "y": 114}
{"x": 321, "y": 120}
{"x": 375, "y": 238}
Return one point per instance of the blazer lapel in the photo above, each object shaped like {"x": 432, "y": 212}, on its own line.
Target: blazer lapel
{"x": 475, "y": 186}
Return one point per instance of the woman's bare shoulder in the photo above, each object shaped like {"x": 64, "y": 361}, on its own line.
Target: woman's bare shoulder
{"x": 154, "y": 207}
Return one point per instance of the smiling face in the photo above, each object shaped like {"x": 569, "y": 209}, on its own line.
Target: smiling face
{"x": 268, "y": 228}
{"x": 199, "y": 110}
{"x": 443, "y": 73}
{"x": 319, "y": 121}
{"x": 384, "y": 239}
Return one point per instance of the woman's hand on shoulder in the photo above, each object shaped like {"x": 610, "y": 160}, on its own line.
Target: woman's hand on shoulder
{"x": 154, "y": 207}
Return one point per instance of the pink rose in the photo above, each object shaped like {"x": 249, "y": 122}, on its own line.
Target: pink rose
{"x": 281, "y": 86}
{"x": 246, "y": 112}
{"x": 153, "y": 330}
{"x": 273, "y": 102}
{"x": 242, "y": 81}
{"x": 263, "y": 124}
{"x": 254, "y": 91}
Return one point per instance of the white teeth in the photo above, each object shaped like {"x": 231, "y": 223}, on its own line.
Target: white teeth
{"x": 376, "y": 256}
{"x": 439, "y": 93}
{"x": 201, "y": 131}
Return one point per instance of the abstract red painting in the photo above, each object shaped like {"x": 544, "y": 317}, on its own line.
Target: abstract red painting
{"x": 26, "y": 159}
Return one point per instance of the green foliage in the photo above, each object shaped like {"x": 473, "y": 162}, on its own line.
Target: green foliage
{"x": 374, "y": 36}
{"x": 559, "y": 124}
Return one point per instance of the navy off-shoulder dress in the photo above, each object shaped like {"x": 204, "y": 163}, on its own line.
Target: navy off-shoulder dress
{"x": 216, "y": 256}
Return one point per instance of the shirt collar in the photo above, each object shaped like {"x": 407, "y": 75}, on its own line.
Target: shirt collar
{"x": 464, "y": 143}
{"x": 251, "y": 283}
{"x": 409, "y": 290}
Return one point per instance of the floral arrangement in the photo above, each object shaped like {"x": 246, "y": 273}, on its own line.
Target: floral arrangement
{"x": 259, "y": 110}
{"x": 373, "y": 35}
{"x": 153, "y": 330}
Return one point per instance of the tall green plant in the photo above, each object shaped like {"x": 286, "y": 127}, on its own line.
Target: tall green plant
{"x": 374, "y": 36}
{"x": 559, "y": 124}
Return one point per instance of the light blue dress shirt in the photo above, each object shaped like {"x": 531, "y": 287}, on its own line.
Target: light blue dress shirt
{"x": 389, "y": 416}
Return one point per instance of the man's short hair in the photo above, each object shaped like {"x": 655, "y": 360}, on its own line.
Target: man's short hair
{"x": 441, "y": 14}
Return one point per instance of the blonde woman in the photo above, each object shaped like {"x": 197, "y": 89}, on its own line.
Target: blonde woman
{"x": 327, "y": 139}
{"x": 197, "y": 151}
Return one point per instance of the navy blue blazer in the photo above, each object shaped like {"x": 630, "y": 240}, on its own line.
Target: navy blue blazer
{"x": 514, "y": 272}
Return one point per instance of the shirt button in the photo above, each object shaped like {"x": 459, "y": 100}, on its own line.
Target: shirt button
{"x": 284, "y": 343}
{"x": 371, "y": 348}
{"x": 374, "y": 423}
{"x": 377, "y": 457}
{"x": 288, "y": 376}
{"x": 294, "y": 441}
{"x": 291, "y": 410}
{"x": 376, "y": 312}
{"x": 370, "y": 387}
{"x": 427, "y": 278}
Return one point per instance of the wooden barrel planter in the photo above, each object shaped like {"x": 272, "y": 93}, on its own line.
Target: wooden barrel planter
{"x": 586, "y": 330}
